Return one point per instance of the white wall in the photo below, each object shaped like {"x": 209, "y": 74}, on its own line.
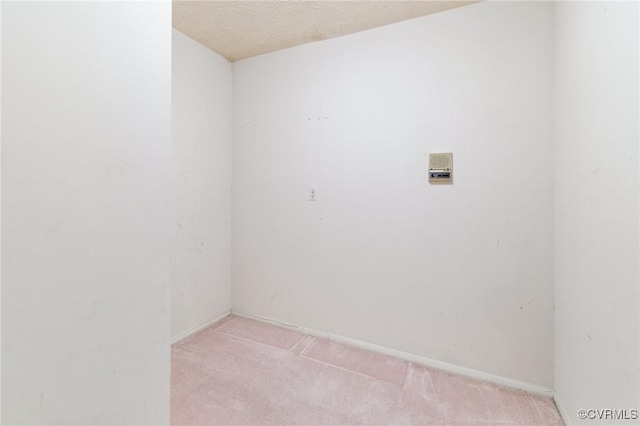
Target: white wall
{"x": 461, "y": 273}
{"x": 0, "y": 212}
{"x": 86, "y": 212}
{"x": 597, "y": 133}
{"x": 201, "y": 208}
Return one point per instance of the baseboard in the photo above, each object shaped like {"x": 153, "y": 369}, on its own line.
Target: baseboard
{"x": 563, "y": 413}
{"x": 197, "y": 328}
{"x": 428, "y": 362}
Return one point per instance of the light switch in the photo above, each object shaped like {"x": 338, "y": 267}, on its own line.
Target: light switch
{"x": 312, "y": 193}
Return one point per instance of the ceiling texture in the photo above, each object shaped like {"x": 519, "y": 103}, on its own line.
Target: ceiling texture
{"x": 239, "y": 29}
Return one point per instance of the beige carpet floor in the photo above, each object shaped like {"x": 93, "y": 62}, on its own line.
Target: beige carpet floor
{"x": 244, "y": 372}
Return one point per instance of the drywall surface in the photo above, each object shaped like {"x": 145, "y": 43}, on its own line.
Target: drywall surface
{"x": 0, "y": 213}
{"x": 459, "y": 273}
{"x": 201, "y": 159}
{"x": 86, "y": 212}
{"x": 597, "y": 134}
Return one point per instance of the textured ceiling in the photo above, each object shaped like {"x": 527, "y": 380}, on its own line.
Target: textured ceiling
{"x": 238, "y": 29}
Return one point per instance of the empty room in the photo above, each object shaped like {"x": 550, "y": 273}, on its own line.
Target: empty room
{"x": 320, "y": 212}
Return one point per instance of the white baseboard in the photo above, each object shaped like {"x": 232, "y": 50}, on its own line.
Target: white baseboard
{"x": 439, "y": 365}
{"x": 197, "y": 328}
{"x": 563, "y": 413}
